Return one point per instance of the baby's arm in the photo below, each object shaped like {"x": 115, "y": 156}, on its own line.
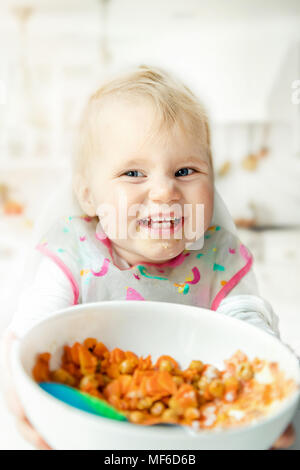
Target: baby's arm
{"x": 239, "y": 297}
{"x": 50, "y": 291}
{"x": 245, "y": 303}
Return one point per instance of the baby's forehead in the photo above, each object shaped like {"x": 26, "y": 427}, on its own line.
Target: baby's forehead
{"x": 138, "y": 115}
{"x": 111, "y": 106}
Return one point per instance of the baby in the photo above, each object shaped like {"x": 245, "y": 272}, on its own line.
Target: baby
{"x": 143, "y": 177}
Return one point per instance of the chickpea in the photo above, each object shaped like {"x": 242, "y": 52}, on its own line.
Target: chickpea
{"x": 62, "y": 376}
{"x": 144, "y": 403}
{"x": 127, "y": 366}
{"x": 202, "y": 384}
{"x": 173, "y": 403}
{"x": 178, "y": 380}
{"x": 89, "y": 381}
{"x": 232, "y": 384}
{"x": 191, "y": 414}
{"x": 175, "y": 406}
{"x": 166, "y": 365}
{"x": 203, "y": 392}
{"x": 136, "y": 417}
{"x": 245, "y": 371}
{"x": 169, "y": 415}
{"x": 157, "y": 409}
{"x": 216, "y": 388}
{"x": 196, "y": 365}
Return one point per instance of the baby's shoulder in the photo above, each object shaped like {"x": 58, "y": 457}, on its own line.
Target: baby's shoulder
{"x": 223, "y": 238}
{"x": 66, "y": 232}
{"x": 74, "y": 226}
{"x": 71, "y": 241}
{"x": 76, "y": 221}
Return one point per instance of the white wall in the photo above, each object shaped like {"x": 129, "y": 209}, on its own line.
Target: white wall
{"x": 240, "y": 56}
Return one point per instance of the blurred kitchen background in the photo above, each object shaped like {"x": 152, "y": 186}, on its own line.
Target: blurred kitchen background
{"x": 242, "y": 58}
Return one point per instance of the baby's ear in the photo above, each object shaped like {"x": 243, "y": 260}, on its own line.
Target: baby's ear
{"x": 84, "y": 195}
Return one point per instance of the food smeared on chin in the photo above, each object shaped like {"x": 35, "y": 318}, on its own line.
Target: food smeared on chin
{"x": 200, "y": 396}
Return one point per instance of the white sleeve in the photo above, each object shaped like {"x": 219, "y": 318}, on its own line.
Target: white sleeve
{"x": 50, "y": 291}
{"x": 245, "y": 303}
{"x": 253, "y": 309}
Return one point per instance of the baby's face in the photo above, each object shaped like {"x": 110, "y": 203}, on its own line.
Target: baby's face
{"x": 136, "y": 178}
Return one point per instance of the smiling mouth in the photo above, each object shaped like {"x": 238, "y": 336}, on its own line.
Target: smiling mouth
{"x": 163, "y": 223}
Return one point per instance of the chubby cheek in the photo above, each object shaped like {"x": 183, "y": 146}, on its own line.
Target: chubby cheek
{"x": 208, "y": 209}
{"x": 118, "y": 210}
{"x": 126, "y": 197}
{"x": 202, "y": 199}
{"x": 128, "y": 205}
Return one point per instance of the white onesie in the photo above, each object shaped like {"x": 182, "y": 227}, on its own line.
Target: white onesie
{"x": 79, "y": 265}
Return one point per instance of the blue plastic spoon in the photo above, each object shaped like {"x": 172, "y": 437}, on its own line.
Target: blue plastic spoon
{"x": 85, "y": 402}
{"x": 82, "y": 401}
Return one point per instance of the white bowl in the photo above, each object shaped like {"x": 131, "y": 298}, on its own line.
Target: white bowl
{"x": 155, "y": 328}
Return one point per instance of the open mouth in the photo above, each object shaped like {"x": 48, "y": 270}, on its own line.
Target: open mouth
{"x": 161, "y": 223}
{"x": 161, "y": 226}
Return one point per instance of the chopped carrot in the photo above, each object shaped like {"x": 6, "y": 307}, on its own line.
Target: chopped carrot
{"x": 148, "y": 394}
{"x": 100, "y": 349}
{"x": 41, "y": 371}
{"x": 87, "y": 361}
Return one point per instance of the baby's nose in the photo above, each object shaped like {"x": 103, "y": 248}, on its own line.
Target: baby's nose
{"x": 164, "y": 190}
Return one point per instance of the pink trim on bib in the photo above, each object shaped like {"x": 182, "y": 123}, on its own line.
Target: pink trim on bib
{"x": 234, "y": 280}
{"x": 45, "y": 251}
{"x": 174, "y": 262}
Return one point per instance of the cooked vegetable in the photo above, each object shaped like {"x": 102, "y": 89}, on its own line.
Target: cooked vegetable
{"x": 200, "y": 395}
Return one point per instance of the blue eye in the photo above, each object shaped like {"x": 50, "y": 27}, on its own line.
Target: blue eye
{"x": 133, "y": 173}
{"x": 184, "y": 172}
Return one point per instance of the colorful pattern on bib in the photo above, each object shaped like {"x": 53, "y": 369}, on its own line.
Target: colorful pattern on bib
{"x": 194, "y": 277}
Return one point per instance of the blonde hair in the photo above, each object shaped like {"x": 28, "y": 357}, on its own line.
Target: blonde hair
{"x": 174, "y": 103}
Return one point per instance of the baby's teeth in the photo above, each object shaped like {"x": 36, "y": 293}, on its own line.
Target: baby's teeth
{"x": 158, "y": 219}
{"x": 159, "y": 222}
{"x": 162, "y": 224}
